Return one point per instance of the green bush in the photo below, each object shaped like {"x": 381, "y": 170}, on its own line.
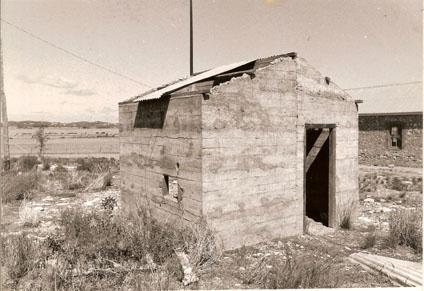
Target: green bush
{"x": 405, "y": 228}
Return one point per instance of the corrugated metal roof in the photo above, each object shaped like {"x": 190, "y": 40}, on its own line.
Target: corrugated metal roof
{"x": 190, "y": 80}
{"x": 396, "y": 99}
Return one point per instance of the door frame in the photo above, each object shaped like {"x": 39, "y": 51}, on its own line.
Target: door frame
{"x": 332, "y": 220}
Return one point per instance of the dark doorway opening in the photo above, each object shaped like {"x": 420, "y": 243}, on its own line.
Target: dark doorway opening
{"x": 318, "y": 174}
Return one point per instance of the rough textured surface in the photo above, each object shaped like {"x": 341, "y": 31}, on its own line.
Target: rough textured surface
{"x": 322, "y": 103}
{"x": 249, "y": 157}
{"x": 241, "y": 152}
{"x": 147, "y": 154}
{"x": 374, "y": 140}
{"x": 253, "y": 151}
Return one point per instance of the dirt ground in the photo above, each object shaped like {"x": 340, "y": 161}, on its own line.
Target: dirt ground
{"x": 377, "y": 200}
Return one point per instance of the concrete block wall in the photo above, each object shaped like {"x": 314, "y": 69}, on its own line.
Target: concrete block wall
{"x": 374, "y": 136}
{"x": 147, "y": 154}
{"x": 249, "y": 157}
{"x": 241, "y": 152}
{"x": 322, "y": 103}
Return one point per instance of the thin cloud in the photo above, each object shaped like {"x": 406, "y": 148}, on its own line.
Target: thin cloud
{"x": 80, "y": 92}
{"x": 59, "y": 82}
{"x": 108, "y": 110}
{"x": 27, "y": 79}
{"x": 70, "y": 87}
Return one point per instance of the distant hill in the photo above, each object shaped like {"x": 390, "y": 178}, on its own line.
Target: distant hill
{"x": 80, "y": 124}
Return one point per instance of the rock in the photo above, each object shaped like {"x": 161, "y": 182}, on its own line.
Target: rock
{"x": 150, "y": 263}
{"x": 386, "y": 209}
{"x": 382, "y": 200}
{"x": 364, "y": 219}
{"x": 257, "y": 255}
{"x": 317, "y": 228}
{"x": 189, "y": 275}
{"x": 369, "y": 200}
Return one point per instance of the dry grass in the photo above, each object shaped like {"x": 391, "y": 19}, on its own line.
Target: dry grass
{"x": 369, "y": 241}
{"x": 28, "y": 215}
{"x": 200, "y": 245}
{"x": 20, "y": 255}
{"x": 18, "y": 186}
{"x": 346, "y": 216}
{"x": 295, "y": 271}
{"x": 405, "y": 228}
{"x": 100, "y": 248}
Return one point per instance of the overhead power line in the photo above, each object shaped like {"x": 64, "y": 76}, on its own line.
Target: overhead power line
{"x": 74, "y": 54}
{"x": 384, "y": 85}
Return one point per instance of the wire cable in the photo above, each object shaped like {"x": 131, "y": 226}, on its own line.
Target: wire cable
{"x": 384, "y": 85}
{"x": 75, "y": 55}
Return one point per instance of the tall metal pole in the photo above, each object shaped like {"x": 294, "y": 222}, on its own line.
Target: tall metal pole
{"x": 4, "y": 133}
{"x": 191, "y": 37}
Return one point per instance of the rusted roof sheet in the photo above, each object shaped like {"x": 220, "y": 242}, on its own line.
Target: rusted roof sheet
{"x": 156, "y": 94}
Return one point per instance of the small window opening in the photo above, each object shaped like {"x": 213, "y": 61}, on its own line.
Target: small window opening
{"x": 395, "y": 136}
{"x": 152, "y": 113}
{"x": 171, "y": 189}
{"x": 166, "y": 180}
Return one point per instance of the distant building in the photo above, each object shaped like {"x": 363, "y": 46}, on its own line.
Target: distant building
{"x": 390, "y": 125}
{"x": 252, "y": 147}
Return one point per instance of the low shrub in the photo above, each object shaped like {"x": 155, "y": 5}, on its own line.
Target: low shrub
{"x": 15, "y": 186}
{"x": 396, "y": 184}
{"x": 98, "y": 247}
{"x": 200, "y": 244}
{"x": 296, "y": 271}
{"x": 345, "y": 220}
{"x": 96, "y": 165}
{"x": 46, "y": 166}
{"x": 369, "y": 241}
{"x": 102, "y": 235}
{"x": 28, "y": 215}
{"x": 27, "y": 163}
{"x": 107, "y": 180}
{"x": 19, "y": 255}
{"x": 109, "y": 203}
{"x": 405, "y": 228}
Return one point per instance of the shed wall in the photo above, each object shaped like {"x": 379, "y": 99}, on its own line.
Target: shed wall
{"x": 374, "y": 146}
{"x": 249, "y": 157}
{"x": 322, "y": 103}
{"x": 147, "y": 154}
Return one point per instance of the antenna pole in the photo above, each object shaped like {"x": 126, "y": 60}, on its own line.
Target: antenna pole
{"x": 191, "y": 37}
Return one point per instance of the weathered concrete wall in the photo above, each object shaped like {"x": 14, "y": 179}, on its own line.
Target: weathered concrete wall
{"x": 146, "y": 154}
{"x": 241, "y": 152}
{"x": 322, "y": 103}
{"x": 249, "y": 157}
{"x": 374, "y": 148}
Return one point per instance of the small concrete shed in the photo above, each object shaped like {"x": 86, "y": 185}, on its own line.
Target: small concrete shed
{"x": 251, "y": 147}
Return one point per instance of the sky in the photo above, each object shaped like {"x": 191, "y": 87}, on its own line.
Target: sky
{"x": 145, "y": 43}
